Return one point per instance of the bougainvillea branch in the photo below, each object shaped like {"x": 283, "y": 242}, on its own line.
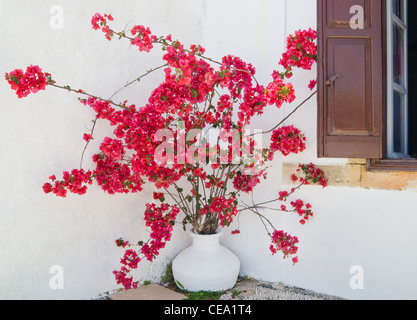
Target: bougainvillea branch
{"x": 190, "y": 141}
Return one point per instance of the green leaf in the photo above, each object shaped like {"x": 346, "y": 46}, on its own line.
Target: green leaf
{"x": 180, "y": 285}
{"x": 195, "y": 93}
{"x": 14, "y": 79}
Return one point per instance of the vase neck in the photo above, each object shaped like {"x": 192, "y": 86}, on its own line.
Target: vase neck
{"x": 206, "y": 242}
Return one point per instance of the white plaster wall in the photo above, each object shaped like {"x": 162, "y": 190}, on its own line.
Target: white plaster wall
{"x": 42, "y": 135}
{"x": 372, "y": 229}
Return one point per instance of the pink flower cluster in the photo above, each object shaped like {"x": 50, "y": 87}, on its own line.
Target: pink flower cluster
{"x": 279, "y": 92}
{"x": 287, "y": 140}
{"x": 161, "y": 222}
{"x": 301, "y": 53}
{"x": 115, "y": 177}
{"x": 224, "y": 208}
{"x": 75, "y": 182}
{"x": 282, "y": 241}
{"x": 144, "y": 39}
{"x": 301, "y": 50}
{"x": 129, "y": 262}
{"x": 312, "y": 174}
{"x": 303, "y": 210}
{"x": 309, "y": 173}
{"x": 27, "y": 82}
{"x": 103, "y": 109}
{"x": 246, "y": 183}
{"x": 112, "y": 148}
{"x": 100, "y": 22}
{"x": 238, "y": 77}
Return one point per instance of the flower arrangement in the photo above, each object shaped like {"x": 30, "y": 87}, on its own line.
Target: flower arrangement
{"x": 169, "y": 141}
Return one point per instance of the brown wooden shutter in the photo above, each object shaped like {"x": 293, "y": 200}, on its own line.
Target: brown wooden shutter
{"x": 350, "y": 79}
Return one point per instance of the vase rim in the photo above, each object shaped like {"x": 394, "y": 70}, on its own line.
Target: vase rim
{"x": 218, "y": 233}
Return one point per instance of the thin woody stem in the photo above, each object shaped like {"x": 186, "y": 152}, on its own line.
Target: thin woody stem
{"x": 89, "y": 95}
{"x": 286, "y": 118}
{"x": 258, "y": 205}
{"x": 262, "y": 218}
{"x": 88, "y": 142}
{"x": 138, "y": 79}
{"x": 123, "y": 35}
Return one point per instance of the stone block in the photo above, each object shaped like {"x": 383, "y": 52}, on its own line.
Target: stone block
{"x": 148, "y": 292}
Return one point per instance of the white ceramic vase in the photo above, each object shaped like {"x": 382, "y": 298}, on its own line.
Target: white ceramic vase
{"x": 206, "y": 265}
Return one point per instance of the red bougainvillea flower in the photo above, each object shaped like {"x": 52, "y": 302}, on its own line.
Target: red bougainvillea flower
{"x": 159, "y": 196}
{"x": 312, "y": 84}
{"x": 281, "y": 241}
{"x": 144, "y": 39}
{"x": 75, "y": 182}
{"x": 312, "y": 174}
{"x": 302, "y": 209}
{"x": 98, "y": 21}
{"x": 123, "y": 279}
{"x": 87, "y": 137}
{"x": 283, "y": 195}
{"x": 121, "y": 243}
{"x": 279, "y": 92}
{"x": 246, "y": 183}
{"x": 161, "y": 220}
{"x": 31, "y": 81}
{"x": 301, "y": 50}
{"x": 287, "y": 140}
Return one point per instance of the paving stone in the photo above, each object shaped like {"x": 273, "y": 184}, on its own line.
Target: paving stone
{"x": 151, "y": 291}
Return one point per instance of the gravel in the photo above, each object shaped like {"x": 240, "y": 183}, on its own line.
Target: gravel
{"x": 252, "y": 289}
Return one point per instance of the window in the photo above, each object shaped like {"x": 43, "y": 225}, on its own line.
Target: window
{"x": 397, "y": 80}
{"x": 412, "y": 77}
{"x": 367, "y": 83}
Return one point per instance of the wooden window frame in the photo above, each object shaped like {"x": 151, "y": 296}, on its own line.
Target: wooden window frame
{"x": 386, "y": 164}
{"x": 393, "y": 86}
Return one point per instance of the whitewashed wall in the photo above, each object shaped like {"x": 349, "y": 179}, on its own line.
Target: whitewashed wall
{"x": 42, "y": 134}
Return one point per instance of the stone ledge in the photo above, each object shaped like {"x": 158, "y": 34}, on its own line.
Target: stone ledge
{"x": 354, "y": 174}
{"x": 389, "y": 180}
{"x": 337, "y": 175}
